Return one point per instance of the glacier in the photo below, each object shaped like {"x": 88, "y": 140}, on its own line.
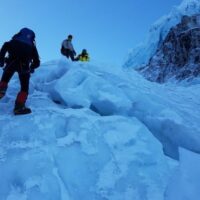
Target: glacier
{"x": 98, "y": 132}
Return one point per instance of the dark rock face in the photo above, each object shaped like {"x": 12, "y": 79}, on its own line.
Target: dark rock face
{"x": 179, "y": 54}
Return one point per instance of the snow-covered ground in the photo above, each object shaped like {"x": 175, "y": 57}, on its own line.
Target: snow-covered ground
{"x": 100, "y": 133}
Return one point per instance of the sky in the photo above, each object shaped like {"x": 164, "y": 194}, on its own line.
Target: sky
{"x": 108, "y": 29}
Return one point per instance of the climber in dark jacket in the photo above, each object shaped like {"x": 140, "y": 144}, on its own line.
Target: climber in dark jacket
{"x": 22, "y": 58}
{"x": 68, "y": 48}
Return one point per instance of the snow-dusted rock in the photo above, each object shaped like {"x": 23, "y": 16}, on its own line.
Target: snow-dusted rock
{"x": 178, "y": 56}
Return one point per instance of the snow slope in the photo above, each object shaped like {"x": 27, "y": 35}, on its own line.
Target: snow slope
{"x": 186, "y": 180}
{"x": 94, "y": 134}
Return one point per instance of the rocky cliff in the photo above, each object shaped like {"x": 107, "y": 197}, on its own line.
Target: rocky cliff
{"x": 178, "y": 56}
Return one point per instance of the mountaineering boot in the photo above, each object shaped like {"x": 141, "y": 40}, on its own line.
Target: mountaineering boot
{"x": 3, "y": 88}
{"x": 20, "y": 108}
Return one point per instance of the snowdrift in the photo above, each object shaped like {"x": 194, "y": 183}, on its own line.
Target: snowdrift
{"x": 96, "y": 132}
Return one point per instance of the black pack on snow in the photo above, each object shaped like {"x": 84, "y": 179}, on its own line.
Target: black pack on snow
{"x": 25, "y": 35}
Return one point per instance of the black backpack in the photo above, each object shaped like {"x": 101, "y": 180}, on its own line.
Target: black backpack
{"x": 25, "y": 35}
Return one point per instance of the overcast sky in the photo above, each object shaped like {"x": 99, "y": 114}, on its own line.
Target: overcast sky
{"x": 108, "y": 29}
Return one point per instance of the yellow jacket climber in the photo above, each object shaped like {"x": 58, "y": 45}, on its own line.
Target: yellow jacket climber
{"x": 84, "y": 56}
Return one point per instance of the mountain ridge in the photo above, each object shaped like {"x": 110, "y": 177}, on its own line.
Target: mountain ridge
{"x": 140, "y": 56}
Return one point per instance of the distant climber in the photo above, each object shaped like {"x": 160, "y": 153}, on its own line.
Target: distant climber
{"x": 22, "y": 58}
{"x": 84, "y": 56}
{"x": 67, "y": 48}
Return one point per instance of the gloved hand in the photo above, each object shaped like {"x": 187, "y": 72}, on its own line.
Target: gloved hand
{"x": 35, "y": 64}
{"x": 74, "y": 52}
{"x": 32, "y": 70}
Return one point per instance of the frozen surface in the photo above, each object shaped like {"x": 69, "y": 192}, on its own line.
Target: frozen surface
{"x": 99, "y": 133}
